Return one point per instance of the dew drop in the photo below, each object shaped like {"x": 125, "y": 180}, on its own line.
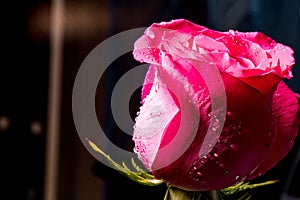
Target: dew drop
{"x": 239, "y": 126}
{"x": 226, "y": 172}
{"x": 150, "y": 34}
{"x": 216, "y": 118}
{"x": 221, "y": 165}
{"x": 195, "y": 168}
{"x": 226, "y": 142}
{"x": 238, "y": 178}
{"x": 213, "y": 129}
{"x": 195, "y": 179}
{"x": 199, "y": 173}
{"x": 261, "y": 174}
{"x": 156, "y": 87}
{"x": 256, "y": 53}
{"x": 203, "y": 161}
{"x": 216, "y": 155}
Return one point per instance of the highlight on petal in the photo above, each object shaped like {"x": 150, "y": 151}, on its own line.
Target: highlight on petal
{"x": 156, "y": 113}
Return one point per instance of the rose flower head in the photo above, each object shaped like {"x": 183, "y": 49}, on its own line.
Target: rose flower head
{"x": 215, "y": 110}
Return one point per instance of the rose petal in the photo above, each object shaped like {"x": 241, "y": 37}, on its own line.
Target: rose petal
{"x": 181, "y": 38}
{"x": 239, "y": 151}
{"x": 286, "y": 112}
{"x": 156, "y": 113}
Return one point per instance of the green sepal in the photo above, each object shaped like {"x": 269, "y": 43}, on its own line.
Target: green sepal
{"x": 140, "y": 176}
{"x": 242, "y": 186}
{"x": 174, "y": 193}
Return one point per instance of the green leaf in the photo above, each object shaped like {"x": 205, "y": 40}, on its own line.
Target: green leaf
{"x": 139, "y": 176}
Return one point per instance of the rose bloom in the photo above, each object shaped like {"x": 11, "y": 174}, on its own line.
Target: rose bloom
{"x": 215, "y": 110}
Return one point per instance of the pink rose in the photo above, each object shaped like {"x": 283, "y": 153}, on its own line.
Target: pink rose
{"x": 215, "y": 111}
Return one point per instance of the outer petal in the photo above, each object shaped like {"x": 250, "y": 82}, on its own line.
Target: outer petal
{"x": 286, "y": 112}
{"x": 160, "y": 113}
{"x": 241, "y": 146}
{"x": 243, "y": 134}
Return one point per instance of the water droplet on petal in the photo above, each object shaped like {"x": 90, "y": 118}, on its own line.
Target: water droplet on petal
{"x": 216, "y": 155}
{"x": 203, "y": 161}
{"x": 261, "y": 174}
{"x": 239, "y": 128}
{"x": 226, "y": 142}
{"x": 238, "y": 178}
{"x": 156, "y": 87}
{"x": 226, "y": 172}
{"x": 199, "y": 173}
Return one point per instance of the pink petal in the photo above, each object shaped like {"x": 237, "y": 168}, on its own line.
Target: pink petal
{"x": 181, "y": 38}
{"x": 156, "y": 113}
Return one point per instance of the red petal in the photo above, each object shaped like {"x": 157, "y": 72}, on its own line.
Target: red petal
{"x": 286, "y": 112}
{"x": 240, "y": 149}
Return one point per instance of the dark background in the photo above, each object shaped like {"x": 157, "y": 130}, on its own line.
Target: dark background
{"x": 24, "y": 76}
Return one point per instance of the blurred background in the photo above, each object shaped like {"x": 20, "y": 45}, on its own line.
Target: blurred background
{"x": 43, "y": 45}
